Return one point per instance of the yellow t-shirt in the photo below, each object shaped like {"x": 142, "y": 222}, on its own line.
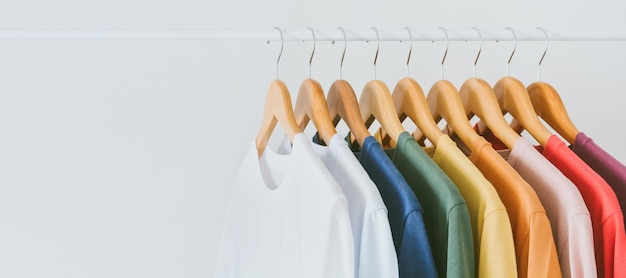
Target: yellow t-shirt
{"x": 494, "y": 249}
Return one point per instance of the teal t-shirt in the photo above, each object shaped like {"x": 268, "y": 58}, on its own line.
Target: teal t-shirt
{"x": 446, "y": 215}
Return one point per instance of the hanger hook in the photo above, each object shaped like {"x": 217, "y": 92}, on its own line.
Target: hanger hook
{"x": 408, "y": 59}
{"x": 446, "y": 52}
{"x": 514, "y": 48}
{"x": 343, "y": 55}
{"x": 282, "y": 45}
{"x": 377, "y": 50}
{"x": 480, "y": 37}
{"x": 312, "y": 52}
{"x": 542, "y": 55}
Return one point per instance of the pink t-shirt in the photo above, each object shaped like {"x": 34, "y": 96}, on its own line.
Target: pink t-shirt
{"x": 569, "y": 217}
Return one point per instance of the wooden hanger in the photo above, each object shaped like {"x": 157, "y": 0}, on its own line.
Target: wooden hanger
{"x": 311, "y": 105}
{"x": 409, "y": 100}
{"x": 376, "y": 103}
{"x": 550, "y": 108}
{"x": 342, "y": 104}
{"x": 444, "y": 101}
{"x": 479, "y": 99}
{"x": 278, "y": 109}
{"x": 548, "y": 104}
{"x": 513, "y": 98}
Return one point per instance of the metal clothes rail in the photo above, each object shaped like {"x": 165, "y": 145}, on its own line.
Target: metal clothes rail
{"x": 398, "y": 34}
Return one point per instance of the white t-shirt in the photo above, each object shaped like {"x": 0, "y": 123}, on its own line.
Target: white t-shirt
{"x": 375, "y": 254}
{"x": 286, "y": 217}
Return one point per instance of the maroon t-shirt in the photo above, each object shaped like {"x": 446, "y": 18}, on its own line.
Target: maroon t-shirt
{"x": 609, "y": 168}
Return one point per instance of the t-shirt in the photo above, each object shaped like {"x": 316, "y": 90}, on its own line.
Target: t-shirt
{"x": 286, "y": 217}
{"x": 606, "y": 216}
{"x": 569, "y": 217}
{"x": 374, "y": 252}
{"x": 405, "y": 212}
{"x": 494, "y": 250}
{"x": 534, "y": 246}
{"x": 445, "y": 212}
{"x": 609, "y": 168}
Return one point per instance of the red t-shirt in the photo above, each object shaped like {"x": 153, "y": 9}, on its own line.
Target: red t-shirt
{"x": 606, "y": 215}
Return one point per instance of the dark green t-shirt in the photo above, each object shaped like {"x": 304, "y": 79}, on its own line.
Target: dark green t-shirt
{"x": 445, "y": 213}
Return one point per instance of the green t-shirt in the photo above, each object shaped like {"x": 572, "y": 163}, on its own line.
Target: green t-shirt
{"x": 446, "y": 215}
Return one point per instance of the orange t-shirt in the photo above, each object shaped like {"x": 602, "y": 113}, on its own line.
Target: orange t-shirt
{"x": 534, "y": 245}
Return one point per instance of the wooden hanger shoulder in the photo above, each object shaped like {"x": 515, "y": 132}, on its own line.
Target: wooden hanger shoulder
{"x": 479, "y": 99}
{"x": 444, "y": 101}
{"x": 278, "y": 109}
{"x": 343, "y": 104}
{"x": 410, "y": 101}
{"x": 311, "y": 105}
{"x": 513, "y": 98}
{"x": 376, "y": 103}
{"x": 550, "y": 108}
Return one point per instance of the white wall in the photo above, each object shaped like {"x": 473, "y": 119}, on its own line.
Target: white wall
{"x": 116, "y": 157}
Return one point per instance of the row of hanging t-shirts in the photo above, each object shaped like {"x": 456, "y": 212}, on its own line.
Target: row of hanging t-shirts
{"x": 482, "y": 201}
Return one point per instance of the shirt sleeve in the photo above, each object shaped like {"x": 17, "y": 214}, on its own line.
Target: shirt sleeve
{"x": 542, "y": 258}
{"x": 614, "y": 246}
{"x": 581, "y": 260}
{"x": 497, "y": 250}
{"x": 378, "y": 255}
{"x": 339, "y": 245}
{"x": 460, "y": 243}
{"x": 415, "y": 257}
